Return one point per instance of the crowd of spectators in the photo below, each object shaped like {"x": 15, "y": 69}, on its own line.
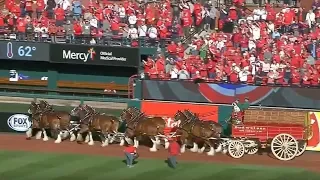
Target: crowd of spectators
{"x": 89, "y": 23}
{"x": 266, "y": 46}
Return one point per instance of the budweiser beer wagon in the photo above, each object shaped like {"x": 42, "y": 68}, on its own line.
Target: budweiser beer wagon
{"x": 284, "y": 131}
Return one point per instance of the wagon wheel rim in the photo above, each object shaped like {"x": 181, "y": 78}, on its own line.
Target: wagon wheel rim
{"x": 236, "y": 149}
{"x": 301, "y": 149}
{"x": 284, "y": 147}
{"x": 253, "y": 150}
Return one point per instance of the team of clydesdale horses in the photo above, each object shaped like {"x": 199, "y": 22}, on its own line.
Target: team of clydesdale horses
{"x": 84, "y": 120}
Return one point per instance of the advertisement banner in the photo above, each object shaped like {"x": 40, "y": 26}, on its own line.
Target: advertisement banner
{"x": 95, "y": 55}
{"x": 206, "y": 112}
{"x": 30, "y": 51}
{"x": 186, "y": 91}
{"x": 314, "y": 136}
{"x": 14, "y": 122}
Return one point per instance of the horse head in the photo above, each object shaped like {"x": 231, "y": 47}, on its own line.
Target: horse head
{"x": 33, "y": 108}
{"x": 78, "y": 112}
{"x": 217, "y": 128}
{"x": 180, "y": 116}
{"x": 134, "y": 110}
{"x": 127, "y": 114}
{"x": 43, "y": 104}
{"x": 190, "y": 114}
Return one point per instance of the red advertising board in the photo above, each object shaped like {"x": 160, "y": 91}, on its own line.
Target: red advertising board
{"x": 206, "y": 112}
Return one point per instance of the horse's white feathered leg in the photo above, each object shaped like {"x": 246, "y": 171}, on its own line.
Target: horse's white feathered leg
{"x": 194, "y": 148}
{"x": 154, "y": 146}
{"x": 91, "y": 142}
{"x": 45, "y": 136}
{"x": 72, "y": 136}
{"x": 29, "y": 133}
{"x": 59, "y": 139}
{"x": 39, "y": 134}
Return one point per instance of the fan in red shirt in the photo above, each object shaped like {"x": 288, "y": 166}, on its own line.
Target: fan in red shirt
{"x": 9, "y": 4}
{"x": 180, "y": 50}
{"x": 21, "y": 27}
{"x": 174, "y": 151}
{"x": 40, "y": 7}
{"x": 28, "y": 8}
{"x": 16, "y": 10}
{"x": 233, "y": 14}
{"x": 60, "y": 16}
{"x": 77, "y": 30}
{"x": 1, "y": 22}
{"x": 99, "y": 16}
{"x": 114, "y": 26}
{"x": 295, "y": 77}
{"x": 314, "y": 78}
{"x": 172, "y": 48}
{"x": 186, "y": 19}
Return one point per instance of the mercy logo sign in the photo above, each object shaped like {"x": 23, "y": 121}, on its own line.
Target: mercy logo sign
{"x": 83, "y": 56}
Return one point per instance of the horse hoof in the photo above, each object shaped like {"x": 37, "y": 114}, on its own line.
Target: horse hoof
{"x": 73, "y": 138}
{"x": 153, "y": 150}
{"x": 200, "y": 151}
{"x": 28, "y": 138}
{"x": 91, "y": 143}
{"x": 210, "y": 154}
{"x": 194, "y": 150}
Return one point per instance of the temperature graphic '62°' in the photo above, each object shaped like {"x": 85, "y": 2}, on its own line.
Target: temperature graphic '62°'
{"x": 24, "y": 51}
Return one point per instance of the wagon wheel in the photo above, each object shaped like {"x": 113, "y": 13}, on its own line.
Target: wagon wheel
{"x": 236, "y": 149}
{"x": 301, "y": 147}
{"x": 284, "y": 147}
{"x": 253, "y": 150}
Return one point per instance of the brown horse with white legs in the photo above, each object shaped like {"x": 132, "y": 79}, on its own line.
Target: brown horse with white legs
{"x": 103, "y": 125}
{"x": 138, "y": 125}
{"x": 191, "y": 115}
{"x": 191, "y": 128}
{"x": 45, "y": 118}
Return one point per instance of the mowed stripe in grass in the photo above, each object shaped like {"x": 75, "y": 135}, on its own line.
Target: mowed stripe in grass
{"x": 32, "y": 166}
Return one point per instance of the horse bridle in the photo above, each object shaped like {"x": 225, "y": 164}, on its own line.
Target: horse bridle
{"x": 81, "y": 109}
{"x": 132, "y": 118}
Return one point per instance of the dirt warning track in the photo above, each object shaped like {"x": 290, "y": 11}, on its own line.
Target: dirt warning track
{"x": 309, "y": 160}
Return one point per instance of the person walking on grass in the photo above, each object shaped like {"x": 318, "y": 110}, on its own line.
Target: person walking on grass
{"x": 130, "y": 153}
{"x": 174, "y": 151}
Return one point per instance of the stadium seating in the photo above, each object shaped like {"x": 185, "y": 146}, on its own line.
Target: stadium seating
{"x": 110, "y": 89}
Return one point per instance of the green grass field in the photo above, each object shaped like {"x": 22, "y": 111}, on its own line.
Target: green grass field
{"x": 15, "y": 165}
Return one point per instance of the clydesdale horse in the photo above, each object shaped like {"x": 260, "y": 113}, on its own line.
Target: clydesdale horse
{"x": 192, "y": 128}
{"x": 45, "y": 118}
{"x": 90, "y": 121}
{"x": 139, "y": 125}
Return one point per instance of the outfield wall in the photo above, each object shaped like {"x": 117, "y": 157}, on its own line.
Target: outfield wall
{"x": 220, "y": 113}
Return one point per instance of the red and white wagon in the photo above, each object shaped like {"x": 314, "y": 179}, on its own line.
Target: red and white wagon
{"x": 284, "y": 131}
